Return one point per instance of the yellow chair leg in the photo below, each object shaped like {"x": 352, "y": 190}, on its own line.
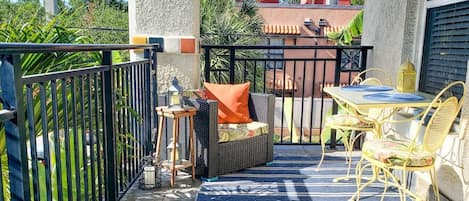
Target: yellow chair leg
{"x": 434, "y": 180}
{"x": 323, "y": 147}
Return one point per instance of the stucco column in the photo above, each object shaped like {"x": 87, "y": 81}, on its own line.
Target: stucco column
{"x": 175, "y": 25}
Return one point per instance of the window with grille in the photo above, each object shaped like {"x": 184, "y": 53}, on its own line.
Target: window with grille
{"x": 446, "y": 47}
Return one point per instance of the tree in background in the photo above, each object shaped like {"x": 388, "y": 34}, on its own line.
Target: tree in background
{"x": 224, "y": 24}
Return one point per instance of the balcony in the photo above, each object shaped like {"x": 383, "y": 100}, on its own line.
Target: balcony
{"x": 92, "y": 128}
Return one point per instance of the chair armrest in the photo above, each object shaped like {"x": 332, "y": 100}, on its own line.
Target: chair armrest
{"x": 206, "y": 136}
{"x": 261, "y": 108}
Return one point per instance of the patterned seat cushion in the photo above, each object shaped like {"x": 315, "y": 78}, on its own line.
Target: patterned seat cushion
{"x": 346, "y": 120}
{"x": 395, "y": 152}
{"x": 232, "y": 132}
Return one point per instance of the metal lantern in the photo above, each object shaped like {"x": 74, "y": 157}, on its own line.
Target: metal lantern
{"x": 173, "y": 151}
{"x": 175, "y": 93}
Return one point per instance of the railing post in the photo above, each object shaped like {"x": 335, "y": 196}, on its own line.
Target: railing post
{"x": 364, "y": 51}
{"x": 154, "y": 79}
{"x": 207, "y": 64}
{"x": 109, "y": 131}
{"x": 147, "y": 106}
{"x": 12, "y": 94}
{"x": 338, "y": 66}
{"x": 232, "y": 65}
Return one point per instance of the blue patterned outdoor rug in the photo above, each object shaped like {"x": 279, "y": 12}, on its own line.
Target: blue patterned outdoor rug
{"x": 291, "y": 178}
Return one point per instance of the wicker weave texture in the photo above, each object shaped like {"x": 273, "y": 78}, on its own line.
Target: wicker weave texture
{"x": 215, "y": 158}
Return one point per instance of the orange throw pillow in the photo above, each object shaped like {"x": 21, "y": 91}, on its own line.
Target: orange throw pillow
{"x": 232, "y": 101}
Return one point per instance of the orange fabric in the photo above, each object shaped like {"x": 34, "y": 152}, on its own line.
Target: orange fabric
{"x": 232, "y": 101}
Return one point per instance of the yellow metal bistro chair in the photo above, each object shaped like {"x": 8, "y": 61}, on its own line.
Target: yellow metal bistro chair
{"x": 417, "y": 154}
{"x": 350, "y": 123}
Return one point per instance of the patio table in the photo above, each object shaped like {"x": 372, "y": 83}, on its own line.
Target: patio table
{"x": 358, "y": 99}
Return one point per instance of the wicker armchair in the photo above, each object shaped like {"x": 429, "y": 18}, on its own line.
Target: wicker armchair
{"x": 214, "y": 158}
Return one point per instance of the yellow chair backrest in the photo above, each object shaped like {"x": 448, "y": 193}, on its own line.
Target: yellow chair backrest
{"x": 359, "y": 78}
{"x": 443, "y": 113}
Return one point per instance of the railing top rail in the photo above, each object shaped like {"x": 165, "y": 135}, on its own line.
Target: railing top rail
{"x": 9, "y": 48}
{"x": 330, "y": 47}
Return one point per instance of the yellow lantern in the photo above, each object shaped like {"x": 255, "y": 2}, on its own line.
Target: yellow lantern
{"x": 406, "y": 78}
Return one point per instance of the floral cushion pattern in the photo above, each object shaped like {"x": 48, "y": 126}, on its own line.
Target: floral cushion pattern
{"x": 233, "y": 132}
{"x": 395, "y": 152}
{"x": 346, "y": 120}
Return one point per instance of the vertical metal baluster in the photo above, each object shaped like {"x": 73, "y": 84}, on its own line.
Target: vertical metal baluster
{"x": 293, "y": 103}
{"x": 128, "y": 119}
{"x": 141, "y": 112}
{"x": 83, "y": 137}
{"x": 124, "y": 126}
{"x": 245, "y": 71}
{"x": 312, "y": 98}
{"x": 322, "y": 97}
{"x": 45, "y": 141}
{"x": 98, "y": 141}
{"x": 119, "y": 133}
{"x": 255, "y": 76}
{"x": 283, "y": 100}
{"x": 32, "y": 142}
{"x": 91, "y": 139}
{"x": 265, "y": 75}
{"x": 232, "y": 65}
{"x": 207, "y": 64}
{"x": 303, "y": 101}
{"x": 75, "y": 140}
{"x": 58, "y": 161}
{"x": 133, "y": 119}
{"x": 67, "y": 140}
{"x": 125, "y": 121}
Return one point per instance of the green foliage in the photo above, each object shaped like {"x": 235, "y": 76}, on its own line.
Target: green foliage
{"x": 224, "y": 24}
{"x": 4, "y": 162}
{"x": 353, "y": 29}
{"x": 357, "y": 2}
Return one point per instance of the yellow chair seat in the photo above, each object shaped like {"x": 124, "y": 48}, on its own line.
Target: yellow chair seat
{"x": 395, "y": 153}
{"x": 346, "y": 120}
{"x": 233, "y": 132}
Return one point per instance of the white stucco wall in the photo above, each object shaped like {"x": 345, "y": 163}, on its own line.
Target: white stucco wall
{"x": 395, "y": 29}
{"x": 386, "y": 25}
{"x": 169, "y": 19}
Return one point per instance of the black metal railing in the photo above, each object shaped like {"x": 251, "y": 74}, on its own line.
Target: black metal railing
{"x": 296, "y": 75}
{"x": 80, "y": 134}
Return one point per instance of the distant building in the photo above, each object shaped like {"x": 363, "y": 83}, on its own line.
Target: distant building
{"x": 302, "y": 25}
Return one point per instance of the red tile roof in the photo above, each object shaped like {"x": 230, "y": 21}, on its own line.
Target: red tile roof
{"x": 333, "y": 29}
{"x": 281, "y": 29}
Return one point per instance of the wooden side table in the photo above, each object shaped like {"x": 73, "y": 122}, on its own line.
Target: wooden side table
{"x": 176, "y": 114}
